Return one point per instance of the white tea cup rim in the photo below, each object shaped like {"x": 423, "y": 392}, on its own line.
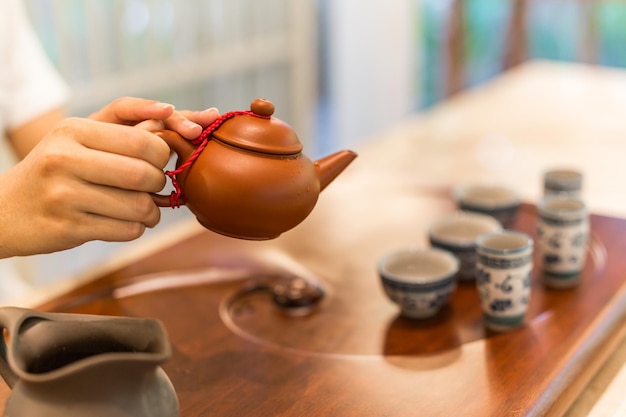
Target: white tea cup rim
{"x": 505, "y": 242}
{"x": 487, "y": 195}
{"x": 563, "y": 174}
{"x": 461, "y": 228}
{"x": 561, "y": 206}
{"x": 421, "y": 265}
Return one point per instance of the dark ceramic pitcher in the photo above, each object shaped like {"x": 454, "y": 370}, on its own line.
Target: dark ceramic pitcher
{"x": 71, "y": 365}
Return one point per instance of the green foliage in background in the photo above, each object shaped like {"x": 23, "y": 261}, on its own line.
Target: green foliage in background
{"x": 564, "y": 30}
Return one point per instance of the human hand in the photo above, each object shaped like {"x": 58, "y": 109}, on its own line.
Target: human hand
{"x": 152, "y": 115}
{"x": 86, "y": 180}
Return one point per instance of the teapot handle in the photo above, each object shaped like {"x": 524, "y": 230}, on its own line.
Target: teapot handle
{"x": 10, "y": 317}
{"x": 183, "y": 149}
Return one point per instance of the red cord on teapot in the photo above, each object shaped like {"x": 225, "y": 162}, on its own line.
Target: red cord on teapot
{"x": 201, "y": 141}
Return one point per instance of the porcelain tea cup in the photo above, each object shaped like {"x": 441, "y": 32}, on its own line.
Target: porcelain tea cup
{"x": 499, "y": 201}
{"x": 419, "y": 281}
{"x": 563, "y": 235}
{"x": 457, "y": 233}
{"x": 564, "y": 182}
{"x": 503, "y": 277}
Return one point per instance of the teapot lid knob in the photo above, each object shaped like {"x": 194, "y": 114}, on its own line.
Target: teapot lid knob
{"x": 262, "y": 107}
{"x": 259, "y": 131}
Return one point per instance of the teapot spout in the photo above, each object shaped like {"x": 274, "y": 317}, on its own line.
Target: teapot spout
{"x": 330, "y": 166}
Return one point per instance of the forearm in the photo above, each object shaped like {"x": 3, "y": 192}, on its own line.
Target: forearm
{"x": 24, "y": 138}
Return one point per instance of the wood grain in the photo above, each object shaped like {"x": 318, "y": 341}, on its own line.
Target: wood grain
{"x": 237, "y": 353}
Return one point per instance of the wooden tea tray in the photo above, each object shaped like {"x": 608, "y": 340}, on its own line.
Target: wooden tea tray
{"x": 237, "y": 353}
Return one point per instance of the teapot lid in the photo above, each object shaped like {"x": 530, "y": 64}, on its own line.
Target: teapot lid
{"x": 258, "y": 131}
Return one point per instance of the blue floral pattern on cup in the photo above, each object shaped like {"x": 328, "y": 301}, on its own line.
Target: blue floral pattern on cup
{"x": 419, "y": 301}
{"x": 503, "y": 279}
{"x": 562, "y": 232}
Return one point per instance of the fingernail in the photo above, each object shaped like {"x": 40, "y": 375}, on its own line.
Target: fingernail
{"x": 164, "y": 105}
{"x": 211, "y": 109}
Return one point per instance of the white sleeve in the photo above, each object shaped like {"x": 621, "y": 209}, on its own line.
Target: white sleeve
{"x": 29, "y": 84}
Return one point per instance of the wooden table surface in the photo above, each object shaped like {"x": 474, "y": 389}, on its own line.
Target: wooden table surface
{"x": 237, "y": 353}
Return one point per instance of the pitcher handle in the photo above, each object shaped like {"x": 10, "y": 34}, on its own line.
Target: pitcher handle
{"x": 10, "y": 317}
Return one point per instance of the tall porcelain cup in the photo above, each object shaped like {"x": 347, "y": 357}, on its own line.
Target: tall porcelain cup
{"x": 563, "y": 233}
{"x": 503, "y": 277}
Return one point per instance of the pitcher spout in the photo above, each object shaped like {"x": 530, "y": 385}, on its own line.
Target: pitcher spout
{"x": 329, "y": 167}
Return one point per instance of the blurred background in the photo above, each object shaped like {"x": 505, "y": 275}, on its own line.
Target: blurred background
{"x": 338, "y": 71}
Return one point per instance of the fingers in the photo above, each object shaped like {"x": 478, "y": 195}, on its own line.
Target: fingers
{"x": 91, "y": 179}
{"x": 102, "y": 153}
{"x": 190, "y": 124}
{"x": 85, "y": 180}
{"x": 203, "y": 118}
{"x": 110, "y": 139}
{"x": 91, "y": 212}
{"x": 117, "y": 204}
{"x": 131, "y": 110}
{"x": 46, "y": 211}
{"x": 185, "y": 127}
{"x": 151, "y": 125}
{"x": 148, "y": 113}
{"x": 65, "y": 185}
{"x": 121, "y": 172}
{"x": 89, "y": 226}
{"x": 112, "y": 230}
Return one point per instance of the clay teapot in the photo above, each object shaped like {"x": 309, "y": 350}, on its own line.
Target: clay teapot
{"x": 246, "y": 175}
{"x": 77, "y": 365}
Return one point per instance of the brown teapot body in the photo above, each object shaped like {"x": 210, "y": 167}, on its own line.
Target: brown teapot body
{"x": 251, "y": 180}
